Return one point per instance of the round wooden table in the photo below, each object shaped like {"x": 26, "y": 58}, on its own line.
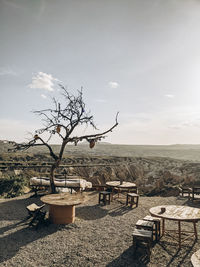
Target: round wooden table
{"x": 179, "y": 214}
{"x": 123, "y": 185}
{"x": 195, "y": 259}
{"x": 62, "y": 206}
{"x": 118, "y": 185}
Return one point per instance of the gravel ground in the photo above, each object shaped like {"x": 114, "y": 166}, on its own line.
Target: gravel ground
{"x": 100, "y": 236}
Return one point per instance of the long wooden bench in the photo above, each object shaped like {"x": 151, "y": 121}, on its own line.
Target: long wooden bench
{"x": 72, "y": 182}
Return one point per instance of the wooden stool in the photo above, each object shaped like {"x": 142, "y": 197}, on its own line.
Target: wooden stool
{"x": 104, "y": 197}
{"x": 145, "y": 225}
{"x": 38, "y": 216}
{"x": 157, "y": 223}
{"x": 132, "y": 198}
{"x": 142, "y": 238}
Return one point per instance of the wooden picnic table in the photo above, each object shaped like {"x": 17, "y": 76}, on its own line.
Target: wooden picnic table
{"x": 62, "y": 206}
{"x": 179, "y": 214}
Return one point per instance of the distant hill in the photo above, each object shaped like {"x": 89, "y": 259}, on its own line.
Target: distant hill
{"x": 183, "y": 152}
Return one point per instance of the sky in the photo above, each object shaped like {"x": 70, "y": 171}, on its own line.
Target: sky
{"x": 140, "y": 58}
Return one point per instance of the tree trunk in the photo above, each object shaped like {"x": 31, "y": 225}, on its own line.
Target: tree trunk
{"x": 52, "y": 183}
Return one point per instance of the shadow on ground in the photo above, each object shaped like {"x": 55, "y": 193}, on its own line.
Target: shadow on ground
{"x": 14, "y": 230}
{"x": 174, "y": 253}
{"x": 98, "y": 211}
{"x": 129, "y": 258}
{"x": 91, "y": 212}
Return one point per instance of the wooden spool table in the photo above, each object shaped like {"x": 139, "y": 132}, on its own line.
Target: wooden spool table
{"x": 62, "y": 206}
{"x": 179, "y": 214}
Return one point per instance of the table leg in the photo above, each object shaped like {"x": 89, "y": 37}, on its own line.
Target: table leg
{"x": 163, "y": 226}
{"x": 195, "y": 230}
{"x": 118, "y": 191}
{"x": 179, "y": 234}
{"x": 112, "y": 193}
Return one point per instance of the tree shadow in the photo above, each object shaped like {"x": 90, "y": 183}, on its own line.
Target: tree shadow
{"x": 98, "y": 211}
{"x": 130, "y": 258}
{"x": 11, "y": 243}
{"x": 15, "y": 209}
{"x": 119, "y": 211}
{"x": 14, "y": 232}
{"x": 177, "y": 254}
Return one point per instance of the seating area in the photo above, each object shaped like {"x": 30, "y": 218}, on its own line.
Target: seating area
{"x": 106, "y": 196}
{"x": 132, "y": 224}
{"x": 147, "y": 231}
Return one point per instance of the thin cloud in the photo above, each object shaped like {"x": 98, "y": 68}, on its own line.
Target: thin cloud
{"x": 113, "y": 84}
{"x": 101, "y": 100}
{"x": 43, "y": 81}
{"x": 169, "y": 96}
{"x": 7, "y": 71}
{"x": 43, "y": 96}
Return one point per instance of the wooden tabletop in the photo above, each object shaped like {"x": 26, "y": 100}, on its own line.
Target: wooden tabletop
{"x": 63, "y": 199}
{"x": 177, "y": 213}
{"x": 195, "y": 259}
{"x": 123, "y": 185}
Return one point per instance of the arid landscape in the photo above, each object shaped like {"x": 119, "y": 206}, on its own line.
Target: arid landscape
{"x": 101, "y": 235}
{"x": 157, "y": 170}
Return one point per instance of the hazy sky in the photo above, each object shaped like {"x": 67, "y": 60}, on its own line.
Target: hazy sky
{"x": 138, "y": 57}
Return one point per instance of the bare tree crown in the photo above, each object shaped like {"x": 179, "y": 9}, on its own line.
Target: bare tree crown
{"x": 62, "y": 120}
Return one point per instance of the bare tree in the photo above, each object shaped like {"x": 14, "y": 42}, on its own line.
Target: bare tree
{"x": 62, "y": 120}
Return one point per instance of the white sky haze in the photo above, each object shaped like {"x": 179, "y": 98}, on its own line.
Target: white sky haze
{"x": 138, "y": 57}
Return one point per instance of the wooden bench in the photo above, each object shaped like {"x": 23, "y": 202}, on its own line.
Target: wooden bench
{"x": 132, "y": 198}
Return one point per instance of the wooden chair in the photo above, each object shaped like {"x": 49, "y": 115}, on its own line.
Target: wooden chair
{"x": 195, "y": 191}
{"x": 185, "y": 190}
{"x": 37, "y": 214}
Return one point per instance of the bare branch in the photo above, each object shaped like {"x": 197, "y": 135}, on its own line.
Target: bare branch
{"x": 95, "y": 137}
